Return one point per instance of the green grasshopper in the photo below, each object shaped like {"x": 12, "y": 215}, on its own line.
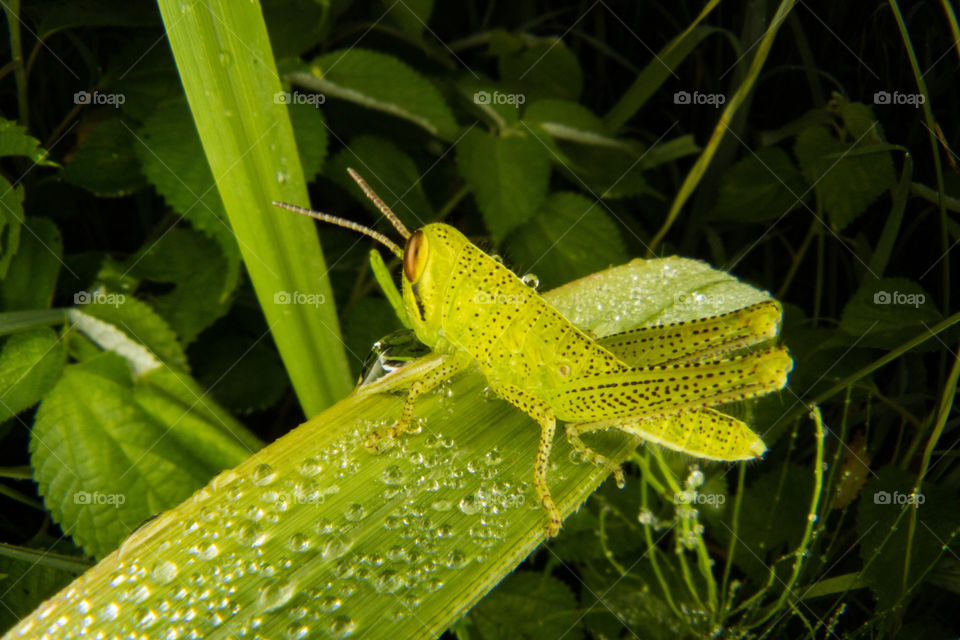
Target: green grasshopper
{"x": 657, "y": 383}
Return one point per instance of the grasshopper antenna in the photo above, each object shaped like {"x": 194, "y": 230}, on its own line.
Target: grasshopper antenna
{"x": 346, "y": 224}
{"x": 375, "y": 199}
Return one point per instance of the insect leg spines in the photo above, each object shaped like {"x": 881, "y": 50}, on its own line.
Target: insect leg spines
{"x": 694, "y": 340}
{"x": 543, "y": 414}
{"x": 451, "y": 366}
{"x": 703, "y": 433}
{"x": 592, "y": 456}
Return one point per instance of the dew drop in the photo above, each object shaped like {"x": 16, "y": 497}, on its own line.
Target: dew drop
{"x": 355, "y": 512}
{"x": 263, "y": 475}
{"x": 341, "y": 627}
{"x": 531, "y": 280}
{"x": 389, "y": 581}
{"x": 329, "y": 604}
{"x": 392, "y": 475}
{"x": 298, "y": 543}
{"x": 310, "y": 467}
{"x": 163, "y": 572}
{"x": 274, "y": 595}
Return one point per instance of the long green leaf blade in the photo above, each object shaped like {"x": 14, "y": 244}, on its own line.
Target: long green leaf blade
{"x": 230, "y": 79}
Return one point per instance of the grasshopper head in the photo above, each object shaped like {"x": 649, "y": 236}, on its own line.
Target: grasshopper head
{"x": 428, "y": 259}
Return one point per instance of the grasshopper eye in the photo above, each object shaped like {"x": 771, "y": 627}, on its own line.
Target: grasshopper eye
{"x": 415, "y": 257}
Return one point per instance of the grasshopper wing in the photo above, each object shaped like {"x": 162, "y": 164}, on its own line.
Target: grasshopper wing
{"x": 664, "y": 389}
{"x": 696, "y": 340}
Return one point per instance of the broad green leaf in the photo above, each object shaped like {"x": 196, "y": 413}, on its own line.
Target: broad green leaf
{"x": 761, "y": 186}
{"x": 566, "y": 120}
{"x": 193, "y": 419}
{"x": 508, "y": 176}
{"x": 887, "y": 312}
{"x": 451, "y": 510}
{"x": 30, "y": 363}
{"x": 606, "y": 172}
{"x": 32, "y": 277}
{"x": 846, "y": 175}
{"x": 15, "y": 141}
{"x": 569, "y": 237}
{"x": 380, "y": 82}
{"x": 883, "y": 518}
{"x": 196, "y": 268}
{"x": 105, "y": 161}
{"x": 391, "y": 173}
{"x": 527, "y": 605}
{"x": 11, "y": 221}
{"x": 546, "y": 69}
{"x": 173, "y": 161}
{"x": 103, "y": 465}
{"x": 138, "y": 322}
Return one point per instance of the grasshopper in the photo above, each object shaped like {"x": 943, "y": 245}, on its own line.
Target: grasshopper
{"x": 658, "y": 383}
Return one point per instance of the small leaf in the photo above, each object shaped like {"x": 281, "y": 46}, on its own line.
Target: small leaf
{"x": 569, "y": 237}
{"x": 382, "y": 82}
{"x": 411, "y": 16}
{"x": 15, "y": 141}
{"x": 761, "y": 186}
{"x": 508, "y": 176}
{"x": 546, "y": 69}
{"x": 391, "y": 173}
{"x": 30, "y": 363}
{"x": 566, "y": 120}
{"x": 138, "y": 322}
{"x": 32, "y": 278}
{"x": 105, "y": 161}
{"x": 527, "y": 605}
{"x": 103, "y": 464}
{"x": 846, "y": 175}
{"x": 887, "y": 312}
{"x": 196, "y": 268}
{"x": 174, "y": 162}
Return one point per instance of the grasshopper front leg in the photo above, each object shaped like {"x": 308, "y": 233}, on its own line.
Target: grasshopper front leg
{"x": 543, "y": 414}
{"x": 448, "y": 367}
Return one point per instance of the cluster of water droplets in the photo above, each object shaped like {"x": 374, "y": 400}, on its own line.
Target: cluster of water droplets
{"x": 305, "y": 543}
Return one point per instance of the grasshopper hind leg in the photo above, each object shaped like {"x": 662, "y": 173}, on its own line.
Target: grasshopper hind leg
{"x": 543, "y": 414}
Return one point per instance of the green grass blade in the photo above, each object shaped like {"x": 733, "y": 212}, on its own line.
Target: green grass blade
{"x": 315, "y": 537}
{"x": 230, "y": 79}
